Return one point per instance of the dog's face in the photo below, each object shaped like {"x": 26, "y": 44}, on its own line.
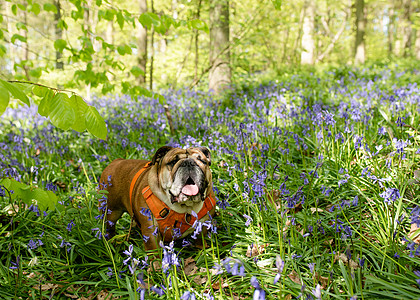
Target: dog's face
{"x": 184, "y": 175}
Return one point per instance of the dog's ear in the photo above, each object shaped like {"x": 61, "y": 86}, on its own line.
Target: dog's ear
{"x": 206, "y": 152}
{"x": 161, "y": 152}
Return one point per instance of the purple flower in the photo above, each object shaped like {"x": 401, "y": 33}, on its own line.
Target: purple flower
{"x": 259, "y": 293}
{"x": 415, "y": 215}
{"x": 382, "y": 131}
{"x": 317, "y": 291}
{"x": 33, "y": 245}
{"x": 248, "y": 220}
{"x": 70, "y": 225}
{"x": 98, "y": 233}
{"x": 169, "y": 257}
{"x": 400, "y": 145}
{"x": 390, "y": 195}
{"x": 158, "y": 290}
{"x": 280, "y": 267}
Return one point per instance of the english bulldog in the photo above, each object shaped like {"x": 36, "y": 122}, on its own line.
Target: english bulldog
{"x": 165, "y": 196}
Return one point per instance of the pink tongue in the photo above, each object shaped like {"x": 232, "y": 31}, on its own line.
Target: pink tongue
{"x": 190, "y": 190}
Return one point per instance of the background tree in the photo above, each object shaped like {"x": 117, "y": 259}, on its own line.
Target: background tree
{"x": 142, "y": 45}
{"x": 308, "y": 39}
{"x": 220, "y": 73}
{"x": 359, "y": 46}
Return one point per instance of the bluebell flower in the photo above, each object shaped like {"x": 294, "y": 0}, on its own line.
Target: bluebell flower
{"x": 390, "y": 195}
{"x": 70, "y": 225}
{"x": 400, "y": 145}
{"x": 259, "y": 293}
{"x": 415, "y": 215}
{"x": 169, "y": 257}
{"x": 158, "y": 290}
{"x": 248, "y": 220}
{"x": 280, "y": 267}
{"x": 109, "y": 273}
{"x": 317, "y": 292}
{"x": 417, "y": 273}
{"x": 32, "y": 244}
{"x": 381, "y": 131}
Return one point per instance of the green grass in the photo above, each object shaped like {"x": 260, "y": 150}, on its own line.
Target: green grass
{"x": 285, "y": 154}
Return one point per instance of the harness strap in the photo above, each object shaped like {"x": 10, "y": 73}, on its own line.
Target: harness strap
{"x": 169, "y": 219}
{"x": 133, "y": 182}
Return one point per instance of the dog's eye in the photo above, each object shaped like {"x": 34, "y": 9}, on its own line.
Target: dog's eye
{"x": 204, "y": 162}
{"x": 172, "y": 163}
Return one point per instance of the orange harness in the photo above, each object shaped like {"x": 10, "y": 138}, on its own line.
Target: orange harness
{"x": 168, "y": 219}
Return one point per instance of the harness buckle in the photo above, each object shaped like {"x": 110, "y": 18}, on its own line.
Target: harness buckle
{"x": 164, "y": 212}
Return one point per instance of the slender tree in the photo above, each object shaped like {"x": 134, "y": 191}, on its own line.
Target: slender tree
{"x": 359, "y": 47}
{"x": 58, "y": 34}
{"x": 308, "y": 40}
{"x": 220, "y": 73}
{"x": 406, "y": 28}
{"x": 142, "y": 44}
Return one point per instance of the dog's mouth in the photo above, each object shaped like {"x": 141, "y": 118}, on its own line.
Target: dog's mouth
{"x": 189, "y": 190}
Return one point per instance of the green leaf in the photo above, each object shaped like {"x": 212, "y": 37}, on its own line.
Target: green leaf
{"x": 44, "y": 199}
{"x": 277, "y": 4}
{"x": 146, "y": 20}
{"x": 2, "y": 50}
{"x": 161, "y": 99}
{"x": 50, "y": 7}
{"x": 136, "y": 71}
{"x": 44, "y": 105}
{"x": 36, "y": 72}
{"x": 16, "y": 91}
{"x": 120, "y": 20}
{"x": 18, "y": 37}
{"x": 199, "y": 25}
{"x": 1, "y": 35}
{"x": 62, "y": 24}
{"x": 121, "y": 50}
{"x": 14, "y": 9}
{"x": 36, "y": 8}
{"x": 80, "y": 108}
{"x": 40, "y": 91}
{"x": 21, "y": 26}
{"x": 61, "y": 113}
{"x": 4, "y": 99}
{"x": 60, "y": 44}
{"x": 95, "y": 124}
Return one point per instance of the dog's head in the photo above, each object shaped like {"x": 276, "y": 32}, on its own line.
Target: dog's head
{"x": 184, "y": 175}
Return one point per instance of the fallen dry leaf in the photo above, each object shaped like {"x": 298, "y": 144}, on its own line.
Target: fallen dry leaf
{"x": 294, "y": 277}
{"x": 103, "y": 295}
{"x": 414, "y": 235}
{"x": 46, "y": 286}
{"x": 190, "y": 267}
{"x": 201, "y": 279}
{"x": 254, "y": 250}
{"x": 345, "y": 260}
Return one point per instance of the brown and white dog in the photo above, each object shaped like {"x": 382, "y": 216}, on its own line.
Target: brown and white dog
{"x": 164, "y": 196}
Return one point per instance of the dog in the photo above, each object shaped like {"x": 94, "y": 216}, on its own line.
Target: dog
{"x": 165, "y": 196}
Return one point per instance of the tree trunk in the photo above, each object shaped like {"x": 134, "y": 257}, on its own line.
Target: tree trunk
{"x": 196, "y": 34}
{"x": 391, "y": 29}
{"x": 360, "y": 49}
{"x": 152, "y": 52}
{"x": 418, "y": 44}
{"x": 220, "y": 73}
{"x": 10, "y": 30}
{"x": 26, "y": 46}
{"x": 407, "y": 31}
{"x": 58, "y": 35}
{"x": 142, "y": 44}
{"x": 308, "y": 41}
